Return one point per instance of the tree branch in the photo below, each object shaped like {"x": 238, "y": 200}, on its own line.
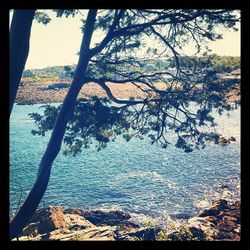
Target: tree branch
{"x": 109, "y": 35}
{"x": 112, "y": 97}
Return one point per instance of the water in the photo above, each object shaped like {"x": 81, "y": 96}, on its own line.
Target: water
{"x": 135, "y": 176}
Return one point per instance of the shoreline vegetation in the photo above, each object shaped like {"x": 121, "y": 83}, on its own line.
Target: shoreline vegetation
{"x": 219, "y": 222}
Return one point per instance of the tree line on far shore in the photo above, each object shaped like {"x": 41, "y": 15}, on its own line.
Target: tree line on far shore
{"x": 221, "y": 64}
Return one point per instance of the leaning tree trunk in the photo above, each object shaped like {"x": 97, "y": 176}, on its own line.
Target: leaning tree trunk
{"x": 19, "y": 49}
{"x": 30, "y": 205}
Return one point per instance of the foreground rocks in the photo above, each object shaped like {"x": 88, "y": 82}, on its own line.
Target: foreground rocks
{"x": 99, "y": 217}
{"x": 221, "y": 221}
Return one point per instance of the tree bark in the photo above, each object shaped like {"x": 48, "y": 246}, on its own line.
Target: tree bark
{"x": 19, "y": 49}
{"x": 31, "y": 203}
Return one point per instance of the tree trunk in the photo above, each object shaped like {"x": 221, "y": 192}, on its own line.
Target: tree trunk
{"x": 31, "y": 203}
{"x": 19, "y": 49}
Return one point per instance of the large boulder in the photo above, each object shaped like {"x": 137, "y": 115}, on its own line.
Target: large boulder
{"x": 216, "y": 209}
{"x": 51, "y": 218}
{"x": 46, "y": 220}
{"x": 232, "y": 138}
{"x": 110, "y": 218}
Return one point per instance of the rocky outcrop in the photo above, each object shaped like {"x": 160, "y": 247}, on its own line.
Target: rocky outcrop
{"x": 225, "y": 218}
{"x": 46, "y": 220}
{"x": 94, "y": 233}
{"x": 111, "y": 218}
{"x": 219, "y": 222}
{"x": 104, "y": 218}
{"x": 54, "y": 223}
{"x": 223, "y": 141}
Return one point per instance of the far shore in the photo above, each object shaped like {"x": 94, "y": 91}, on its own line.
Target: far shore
{"x": 37, "y": 92}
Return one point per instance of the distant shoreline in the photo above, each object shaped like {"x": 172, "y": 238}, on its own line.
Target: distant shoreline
{"x": 41, "y": 92}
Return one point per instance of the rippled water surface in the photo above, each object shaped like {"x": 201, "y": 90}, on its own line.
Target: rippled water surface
{"x": 134, "y": 176}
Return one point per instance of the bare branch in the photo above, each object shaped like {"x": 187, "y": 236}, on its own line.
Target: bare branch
{"x": 112, "y": 97}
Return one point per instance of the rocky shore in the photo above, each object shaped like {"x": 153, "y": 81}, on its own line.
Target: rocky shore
{"x": 50, "y": 91}
{"x": 219, "y": 222}
{"x": 32, "y": 92}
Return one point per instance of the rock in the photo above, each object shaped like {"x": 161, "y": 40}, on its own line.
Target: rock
{"x": 227, "y": 236}
{"x": 237, "y": 230}
{"x": 234, "y": 236}
{"x": 235, "y": 206}
{"x": 31, "y": 230}
{"x": 215, "y": 209}
{"x": 221, "y": 221}
{"x": 46, "y": 220}
{"x": 203, "y": 223}
{"x": 127, "y": 226}
{"x": 73, "y": 211}
{"x": 232, "y": 138}
{"x": 223, "y": 217}
{"x": 229, "y": 218}
{"x": 138, "y": 234}
{"x": 227, "y": 225}
{"x": 197, "y": 233}
{"x": 76, "y": 222}
{"x": 209, "y": 212}
{"x": 220, "y": 204}
{"x": 212, "y": 219}
{"x": 233, "y": 211}
{"x": 94, "y": 234}
{"x": 111, "y": 218}
{"x": 181, "y": 216}
{"x": 51, "y": 218}
{"x": 186, "y": 233}
{"x": 223, "y": 141}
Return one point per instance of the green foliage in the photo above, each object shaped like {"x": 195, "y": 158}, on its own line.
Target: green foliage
{"x": 91, "y": 120}
{"x": 219, "y": 64}
{"x": 161, "y": 236}
{"x": 42, "y": 17}
{"x": 97, "y": 122}
{"x": 183, "y": 233}
{"x": 46, "y": 122}
{"x": 65, "y": 12}
{"x": 67, "y": 68}
{"x": 27, "y": 73}
{"x": 52, "y": 73}
{"x": 224, "y": 63}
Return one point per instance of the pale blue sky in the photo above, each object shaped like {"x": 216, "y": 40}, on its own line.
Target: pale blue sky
{"x": 58, "y": 42}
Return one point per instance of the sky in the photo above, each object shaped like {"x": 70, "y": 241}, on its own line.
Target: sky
{"x": 58, "y": 42}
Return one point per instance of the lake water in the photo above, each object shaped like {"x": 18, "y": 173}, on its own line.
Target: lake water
{"x": 135, "y": 176}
